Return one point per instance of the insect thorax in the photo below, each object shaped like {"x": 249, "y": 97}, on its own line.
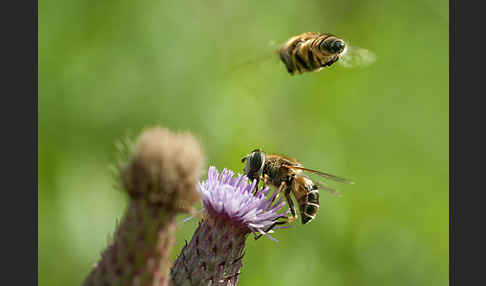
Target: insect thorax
{"x": 277, "y": 173}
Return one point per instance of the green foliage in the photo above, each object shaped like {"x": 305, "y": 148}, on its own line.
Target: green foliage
{"x": 108, "y": 69}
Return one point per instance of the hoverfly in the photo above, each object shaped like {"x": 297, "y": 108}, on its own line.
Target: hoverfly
{"x": 311, "y": 51}
{"x": 287, "y": 175}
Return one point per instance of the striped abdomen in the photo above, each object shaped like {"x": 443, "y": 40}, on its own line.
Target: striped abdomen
{"x": 307, "y": 196}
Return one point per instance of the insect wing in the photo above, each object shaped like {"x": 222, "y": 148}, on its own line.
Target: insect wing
{"x": 322, "y": 186}
{"x": 357, "y": 57}
{"x": 322, "y": 174}
{"x": 268, "y": 53}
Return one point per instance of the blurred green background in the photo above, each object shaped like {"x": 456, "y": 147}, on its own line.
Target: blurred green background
{"x": 107, "y": 69}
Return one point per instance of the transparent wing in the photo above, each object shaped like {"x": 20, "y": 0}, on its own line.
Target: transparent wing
{"x": 357, "y": 57}
{"x": 322, "y": 186}
{"x": 322, "y": 174}
{"x": 268, "y": 53}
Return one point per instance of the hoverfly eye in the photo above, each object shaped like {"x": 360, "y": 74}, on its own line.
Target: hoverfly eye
{"x": 337, "y": 46}
{"x": 256, "y": 160}
{"x": 254, "y": 164}
{"x": 334, "y": 46}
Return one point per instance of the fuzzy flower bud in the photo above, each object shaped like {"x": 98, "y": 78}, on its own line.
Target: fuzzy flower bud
{"x": 165, "y": 169}
{"x": 232, "y": 210}
{"x": 160, "y": 179}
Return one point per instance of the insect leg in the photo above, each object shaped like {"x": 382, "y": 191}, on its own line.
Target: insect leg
{"x": 265, "y": 181}
{"x": 257, "y": 236}
{"x": 291, "y": 205}
{"x": 282, "y": 187}
{"x": 256, "y": 186}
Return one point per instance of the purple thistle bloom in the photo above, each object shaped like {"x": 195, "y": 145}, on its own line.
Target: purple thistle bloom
{"x": 231, "y": 211}
{"x": 233, "y": 198}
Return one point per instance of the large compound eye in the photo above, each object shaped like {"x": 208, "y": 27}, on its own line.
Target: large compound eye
{"x": 254, "y": 164}
{"x": 337, "y": 46}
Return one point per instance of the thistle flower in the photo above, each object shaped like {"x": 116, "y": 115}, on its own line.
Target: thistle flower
{"x": 231, "y": 211}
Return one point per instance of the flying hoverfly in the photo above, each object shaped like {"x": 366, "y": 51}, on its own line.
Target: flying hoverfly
{"x": 311, "y": 52}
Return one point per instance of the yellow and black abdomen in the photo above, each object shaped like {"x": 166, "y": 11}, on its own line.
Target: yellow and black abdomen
{"x": 307, "y": 196}
{"x": 312, "y": 206}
